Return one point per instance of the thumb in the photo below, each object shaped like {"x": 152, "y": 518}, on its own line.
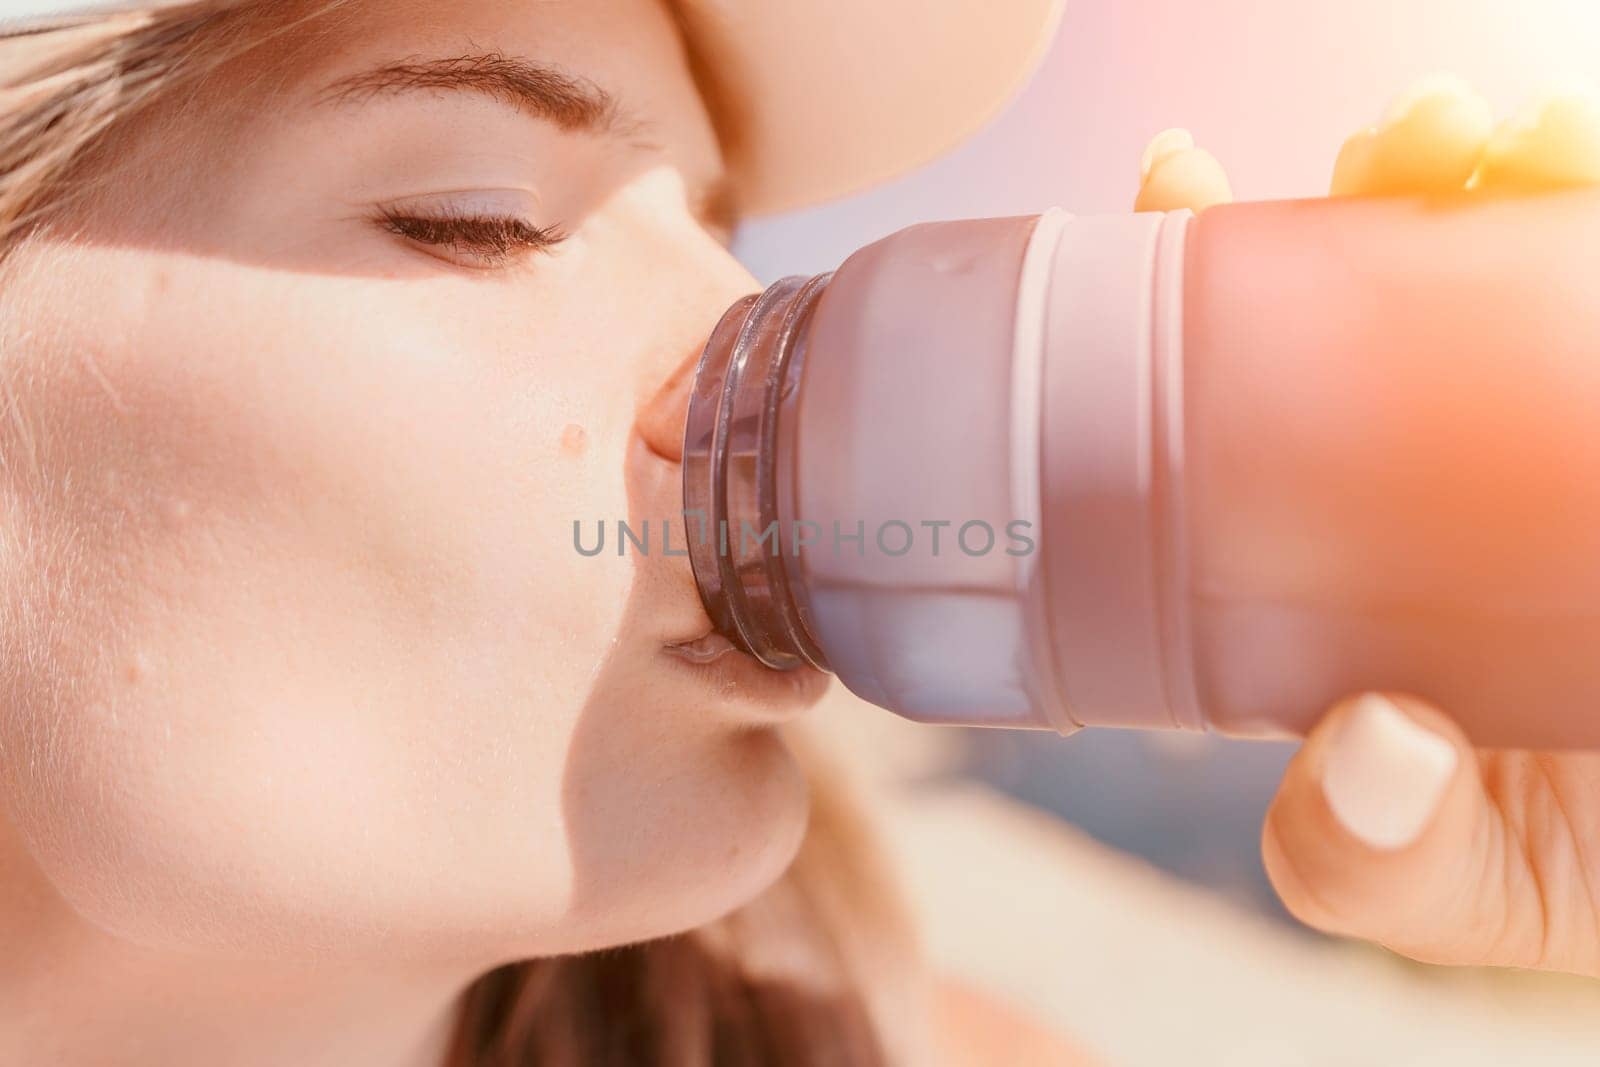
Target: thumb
{"x": 1390, "y": 827}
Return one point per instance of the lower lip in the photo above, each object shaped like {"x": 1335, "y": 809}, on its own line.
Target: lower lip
{"x": 745, "y": 678}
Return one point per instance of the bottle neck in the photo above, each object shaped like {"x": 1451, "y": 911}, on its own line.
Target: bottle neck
{"x": 1001, "y": 375}
{"x": 732, "y": 479}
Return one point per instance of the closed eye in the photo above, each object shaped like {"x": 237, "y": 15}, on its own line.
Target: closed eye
{"x": 479, "y": 240}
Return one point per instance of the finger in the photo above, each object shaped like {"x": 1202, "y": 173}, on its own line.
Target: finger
{"x": 1390, "y": 827}
{"x": 1431, "y": 139}
{"x": 1174, "y": 175}
{"x": 1163, "y": 145}
{"x": 1554, "y": 144}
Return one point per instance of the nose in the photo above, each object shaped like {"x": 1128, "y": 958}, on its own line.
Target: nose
{"x": 719, "y": 282}
{"x": 660, "y": 421}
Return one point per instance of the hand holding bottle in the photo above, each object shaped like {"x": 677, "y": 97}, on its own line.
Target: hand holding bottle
{"x": 1389, "y": 825}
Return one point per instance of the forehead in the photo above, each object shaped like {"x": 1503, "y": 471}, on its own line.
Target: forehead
{"x": 630, "y": 51}
{"x": 605, "y": 37}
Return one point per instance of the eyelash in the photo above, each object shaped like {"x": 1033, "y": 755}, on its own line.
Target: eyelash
{"x": 491, "y": 239}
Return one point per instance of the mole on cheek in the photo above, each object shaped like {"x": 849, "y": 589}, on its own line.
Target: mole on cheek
{"x": 574, "y": 440}
{"x": 137, "y": 668}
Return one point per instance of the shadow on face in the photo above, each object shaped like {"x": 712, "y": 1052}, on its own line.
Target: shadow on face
{"x": 306, "y": 395}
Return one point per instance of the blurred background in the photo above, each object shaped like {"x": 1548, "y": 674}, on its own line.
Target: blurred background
{"x": 1173, "y": 948}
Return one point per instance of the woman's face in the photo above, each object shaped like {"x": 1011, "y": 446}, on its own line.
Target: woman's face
{"x": 298, "y": 652}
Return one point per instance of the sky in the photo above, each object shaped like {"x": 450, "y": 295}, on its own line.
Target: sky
{"x": 1272, "y": 87}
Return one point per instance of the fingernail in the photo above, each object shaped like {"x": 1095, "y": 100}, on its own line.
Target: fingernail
{"x": 1187, "y": 178}
{"x": 1164, "y": 144}
{"x": 1443, "y": 88}
{"x": 1384, "y": 774}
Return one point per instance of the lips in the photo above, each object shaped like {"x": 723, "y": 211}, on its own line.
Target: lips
{"x": 701, "y": 650}
{"x": 754, "y": 691}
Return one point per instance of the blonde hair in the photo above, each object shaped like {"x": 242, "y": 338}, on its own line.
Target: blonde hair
{"x": 62, "y": 90}
{"x": 817, "y": 971}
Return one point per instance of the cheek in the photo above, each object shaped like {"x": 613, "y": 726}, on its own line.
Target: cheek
{"x": 373, "y": 455}
{"x": 310, "y": 637}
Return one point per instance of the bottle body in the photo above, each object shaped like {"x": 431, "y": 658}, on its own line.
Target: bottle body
{"x": 1199, "y": 473}
{"x": 1393, "y": 462}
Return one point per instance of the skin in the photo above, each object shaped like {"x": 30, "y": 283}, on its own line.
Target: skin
{"x": 311, "y": 712}
{"x": 1501, "y": 865}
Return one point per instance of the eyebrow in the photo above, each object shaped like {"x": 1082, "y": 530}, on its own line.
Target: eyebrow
{"x": 545, "y": 92}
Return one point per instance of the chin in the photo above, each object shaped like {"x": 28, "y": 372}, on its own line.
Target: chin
{"x": 774, "y": 819}
{"x": 763, "y": 822}
{"x": 708, "y": 852}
